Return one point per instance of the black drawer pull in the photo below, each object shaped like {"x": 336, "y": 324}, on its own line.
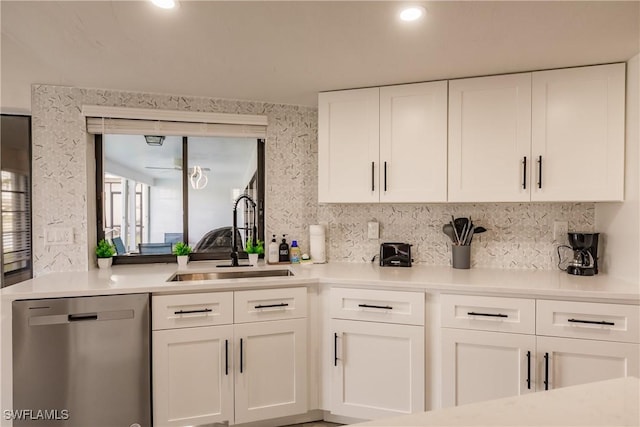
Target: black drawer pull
{"x": 473, "y": 313}
{"x": 528, "y": 370}
{"x": 226, "y": 357}
{"x": 524, "y": 173}
{"x": 335, "y": 349}
{"x": 373, "y": 176}
{"x": 282, "y": 304}
{"x": 80, "y": 317}
{"x": 241, "y": 355}
{"x": 382, "y": 307}
{"x": 539, "y": 171}
{"x": 546, "y": 371}
{"x": 204, "y": 310}
{"x": 592, "y": 322}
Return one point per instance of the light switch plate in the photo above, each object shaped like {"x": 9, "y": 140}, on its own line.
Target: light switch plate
{"x": 58, "y": 236}
{"x": 373, "y": 230}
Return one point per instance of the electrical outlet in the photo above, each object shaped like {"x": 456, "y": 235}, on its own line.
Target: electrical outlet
{"x": 560, "y": 230}
{"x": 373, "y": 230}
{"x": 58, "y": 236}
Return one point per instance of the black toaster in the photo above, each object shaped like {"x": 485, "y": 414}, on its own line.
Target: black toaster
{"x": 395, "y": 255}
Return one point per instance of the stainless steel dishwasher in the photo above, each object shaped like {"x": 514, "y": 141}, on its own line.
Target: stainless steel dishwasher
{"x": 82, "y": 361}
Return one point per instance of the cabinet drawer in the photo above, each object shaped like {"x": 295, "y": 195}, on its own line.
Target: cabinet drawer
{"x": 270, "y": 304}
{"x": 489, "y": 313}
{"x": 377, "y": 306}
{"x": 189, "y": 310}
{"x": 606, "y": 322}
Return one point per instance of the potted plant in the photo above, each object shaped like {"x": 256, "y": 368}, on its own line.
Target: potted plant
{"x": 254, "y": 250}
{"x": 182, "y": 251}
{"x": 105, "y": 251}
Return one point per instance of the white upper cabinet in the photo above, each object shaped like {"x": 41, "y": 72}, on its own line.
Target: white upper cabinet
{"x": 413, "y": 143}
{"x": 348, "y": 148}
{"x": 383, "y": 144}
{"x": 490, "y": 139}
{"x": 554, "y": 135}
{"x": 578, "y": 133}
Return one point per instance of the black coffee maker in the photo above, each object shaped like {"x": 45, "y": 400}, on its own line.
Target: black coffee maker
{"x": 585, "y": 254}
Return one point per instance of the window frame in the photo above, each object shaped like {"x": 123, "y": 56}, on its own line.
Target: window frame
{"x": 165, "y": 258}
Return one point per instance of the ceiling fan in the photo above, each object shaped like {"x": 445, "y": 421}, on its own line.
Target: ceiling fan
{"x": 177, "y": 165}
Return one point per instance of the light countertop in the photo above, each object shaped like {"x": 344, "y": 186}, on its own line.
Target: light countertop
{"x": 605, "y": 403}
{"x": 153, "y": 278}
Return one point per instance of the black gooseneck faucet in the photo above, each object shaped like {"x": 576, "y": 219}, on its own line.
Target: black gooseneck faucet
{"x": 234, "y": 252}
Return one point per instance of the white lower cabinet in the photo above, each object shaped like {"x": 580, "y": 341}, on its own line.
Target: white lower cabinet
{"x": 564, "y": 362}
{"x": 481, "y": 365}
{"x": 378, "y": 361}
{"x": 378, "y": 369}
{"x": 478, "y": 365}
{"x": 235, "y": 373}
{"x": 192, "y": 379}
{"x": 271, "y": 378}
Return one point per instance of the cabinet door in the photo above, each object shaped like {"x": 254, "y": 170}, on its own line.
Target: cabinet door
{"x": 271, "y": 377}
{"x": 348, "y": 146}
{"x": 478, "y": 366}
{"x": 192, "y": 381}
{"x": 578, "y": 129}
{"x": 378, "y": 369}
{"x": 573, "y": 361}
{"x": 490, "y": 138}
{"x": 413, "y": 143}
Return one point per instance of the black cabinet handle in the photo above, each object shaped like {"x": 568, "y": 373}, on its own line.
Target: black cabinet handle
{"x": 592, "y": 322}
{"x": 528, "y": 370}
{"x": 241, "y": 351}
{"x": 382, "y": 307}
{"x": 335, "y": 349}
{"x": 204, "y": 310}
{"x": 524, "y": 173}
{"x": 282, "y": 304}
{"x": 226, "y": 357}
{"x": 385, "y": 176}
{"x": 473, "y": 313}
{"x": 546, "y": 371}
{"x": 539, "y": 171}
{"x": 373, "y": 184}
{"x": 81, "y": 317}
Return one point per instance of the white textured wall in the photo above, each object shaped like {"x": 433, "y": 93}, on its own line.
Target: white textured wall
{"x": 520, "y": 234}
{"x": 620, "y": 222}
{"x": 63, "y": 166}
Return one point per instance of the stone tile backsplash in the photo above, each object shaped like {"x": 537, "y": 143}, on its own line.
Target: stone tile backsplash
{"x": 519, "y": 236}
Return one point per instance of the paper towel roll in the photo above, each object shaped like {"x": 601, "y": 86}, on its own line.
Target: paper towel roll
{"x": 317, "y": 244}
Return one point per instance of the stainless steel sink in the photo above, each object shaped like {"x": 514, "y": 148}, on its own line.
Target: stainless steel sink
{"x": 217, "y": 275}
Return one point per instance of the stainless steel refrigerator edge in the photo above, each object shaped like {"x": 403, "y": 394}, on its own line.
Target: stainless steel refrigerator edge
{"x": 89, "y": 356}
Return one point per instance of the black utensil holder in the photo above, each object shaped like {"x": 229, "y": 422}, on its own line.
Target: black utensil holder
{"x": 461, "y": 256}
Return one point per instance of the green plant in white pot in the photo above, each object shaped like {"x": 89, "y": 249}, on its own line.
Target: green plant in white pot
{"x": 254, "y": 250}
{"x": 182, "y": 251}
{"x": 105, "y": 252}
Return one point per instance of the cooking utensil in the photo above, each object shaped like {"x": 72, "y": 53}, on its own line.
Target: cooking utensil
{"x": 448, "y": 230}
{"x": 470, "y": 236}
{"x": 479, "y": 229}
{"x": 460, "y": 224}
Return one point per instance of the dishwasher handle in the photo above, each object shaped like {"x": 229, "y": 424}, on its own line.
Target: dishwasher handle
{"x": 82, "y": 317}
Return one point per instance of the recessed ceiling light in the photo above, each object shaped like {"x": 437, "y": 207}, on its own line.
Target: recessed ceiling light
{"x": 412, "y": 13}
{"x": 165, "y": 4}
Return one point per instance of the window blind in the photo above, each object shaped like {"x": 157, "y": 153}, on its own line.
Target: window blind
{"x": 137, "y": 121}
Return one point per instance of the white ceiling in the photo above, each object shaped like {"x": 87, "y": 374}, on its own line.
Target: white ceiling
{"x": 286, "y": 52}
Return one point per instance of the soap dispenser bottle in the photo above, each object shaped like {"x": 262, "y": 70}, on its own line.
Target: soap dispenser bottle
{"x": 295, "y": 252}
{"x": 284, "y": 250}
{"x": 272, "y": 256}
